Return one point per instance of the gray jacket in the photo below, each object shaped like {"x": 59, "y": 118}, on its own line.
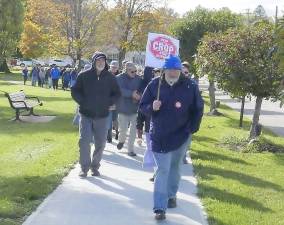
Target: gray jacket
{"x": 126, "y": 104}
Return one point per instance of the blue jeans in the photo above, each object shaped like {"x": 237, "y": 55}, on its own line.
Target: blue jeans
{"x": 168, "y": 175}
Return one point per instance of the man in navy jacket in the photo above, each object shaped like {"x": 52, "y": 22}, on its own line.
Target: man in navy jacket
{"x": 175, "y": 115}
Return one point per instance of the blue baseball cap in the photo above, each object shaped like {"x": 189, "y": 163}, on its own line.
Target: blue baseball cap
{"x": 172, "y": 62}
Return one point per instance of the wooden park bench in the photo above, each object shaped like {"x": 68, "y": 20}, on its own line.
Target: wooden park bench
{"x": 20, "y": 102}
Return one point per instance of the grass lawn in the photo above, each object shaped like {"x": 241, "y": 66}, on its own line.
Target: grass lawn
{"x": 33, "y": 157}
{"x": 235, "y": 188}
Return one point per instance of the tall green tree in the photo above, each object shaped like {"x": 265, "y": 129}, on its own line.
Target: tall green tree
{"x": 260, "y": 13}
{"x": 190, "y": 30}
{"x": 195, "y": 24}
{"x": 242, "y": 63}
{"x": 280, "y": 54}
{"x": 11, "y": 18}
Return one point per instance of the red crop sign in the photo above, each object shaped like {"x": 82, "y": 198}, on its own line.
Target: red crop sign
{"x": 161, "y": 47}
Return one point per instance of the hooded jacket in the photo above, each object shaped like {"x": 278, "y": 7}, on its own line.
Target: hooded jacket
{"x": 95, "y": 94}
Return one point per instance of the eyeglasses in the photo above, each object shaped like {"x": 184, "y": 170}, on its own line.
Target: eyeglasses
{"x": 186, "y": 72}
{"x": 133, "y": 71}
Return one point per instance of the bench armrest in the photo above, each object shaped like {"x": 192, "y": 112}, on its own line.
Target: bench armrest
{"x": 29, "y": 97}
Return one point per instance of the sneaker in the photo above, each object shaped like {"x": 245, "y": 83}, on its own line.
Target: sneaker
{"x": 172, "y": 203}
{"x": 152, "y": 179}
{"x": 95, "y": 173}
{"x": 120, "y": 145}
{"x": 83, "y": 174}
{"x": 160, "y": 215}
{"x": 132, "y": 154}
{"x": 109, "y": 139}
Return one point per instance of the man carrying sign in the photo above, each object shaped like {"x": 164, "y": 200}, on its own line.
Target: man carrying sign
{"x": 176, "y": 111}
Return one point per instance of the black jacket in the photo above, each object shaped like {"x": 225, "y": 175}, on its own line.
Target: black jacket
{"x": 95, "y": 94}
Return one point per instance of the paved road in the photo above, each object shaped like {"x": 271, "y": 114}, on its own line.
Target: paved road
{"x": 272, "y": 116}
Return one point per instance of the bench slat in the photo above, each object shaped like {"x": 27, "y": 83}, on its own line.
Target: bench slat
{"x": 18, "y": 100}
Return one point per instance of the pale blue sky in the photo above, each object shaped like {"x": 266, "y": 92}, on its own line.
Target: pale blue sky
{"x": 182, "y": 6}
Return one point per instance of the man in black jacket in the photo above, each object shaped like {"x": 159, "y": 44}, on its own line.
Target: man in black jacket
{"x": 95, "y": 91}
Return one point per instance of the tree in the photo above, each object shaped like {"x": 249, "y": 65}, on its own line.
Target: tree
{"x": 41, "y": 22}
{"x": 125, "y": 15}
{"x": 60, "y": 27}
{"x": 260, "y": 13}
{"x": 78, "y": 27}
{"x": 190, "y": 30}
{"x": 129, "y": 31}
{"x": 280, "y": 55}
{"x": 241, "y": 64}
{"x": 11, "y": 18}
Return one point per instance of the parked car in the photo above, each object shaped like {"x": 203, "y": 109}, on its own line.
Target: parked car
{"x": 60, "y": 62}
{"x": 24, "y": 62}
{"x": 29, "y": 62}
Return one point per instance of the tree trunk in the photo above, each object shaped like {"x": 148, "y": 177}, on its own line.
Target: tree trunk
{"x": 242, "y": 111}
{"x": 212, "y": 96}
{"x": 78, "y": 28}
{"x": 79, "y": 59}
{"x": 4, "y": 67}
{"x": 121, "y": 56}
{"x": 255, "y": 119}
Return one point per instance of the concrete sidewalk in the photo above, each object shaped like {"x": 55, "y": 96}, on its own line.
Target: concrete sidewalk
{"x": 121, "y": 196}
{"x": 272, "y": 116}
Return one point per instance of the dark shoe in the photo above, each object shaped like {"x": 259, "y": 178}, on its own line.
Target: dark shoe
{"x": 120, "y": 145}
{"x": 109, "y": 136}
{"x": 152, "y": 179}
{"x": 83, "y": 174}
{"x": 95, "y": 173}
{"x": 160, "y": 215}
{"x": 172, "y": 203}
{"x": 132, "y": 154}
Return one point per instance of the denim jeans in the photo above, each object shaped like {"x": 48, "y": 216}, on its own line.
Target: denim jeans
{"x": 168, "y": 175}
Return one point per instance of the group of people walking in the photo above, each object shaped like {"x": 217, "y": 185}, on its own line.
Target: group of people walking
{"x": 49, "y": 76}
{"x": 165, "y": 101}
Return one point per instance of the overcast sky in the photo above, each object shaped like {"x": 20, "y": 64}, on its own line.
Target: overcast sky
{"x": 182, "y": 6}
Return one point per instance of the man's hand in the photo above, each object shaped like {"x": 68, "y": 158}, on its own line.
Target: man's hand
{"x": 136, "y": 96}
{"x": 157, "y": 105}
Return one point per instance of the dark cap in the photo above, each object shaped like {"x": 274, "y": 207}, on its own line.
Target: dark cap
{"x": 186, "y": 64}
{"x": 98, "y": 55}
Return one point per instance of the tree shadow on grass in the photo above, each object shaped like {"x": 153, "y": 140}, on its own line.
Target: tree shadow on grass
{"x": 206, "y": 191}
{"x": 199, "y": 138}
{"x": 210, "y": 156}
{"x": 23, "y": 194}
{"x": 279, "y": 158}
{"x": 214, "y": 221}
{"x": 61, "y": 124}
{"x": 206, "y": 171}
